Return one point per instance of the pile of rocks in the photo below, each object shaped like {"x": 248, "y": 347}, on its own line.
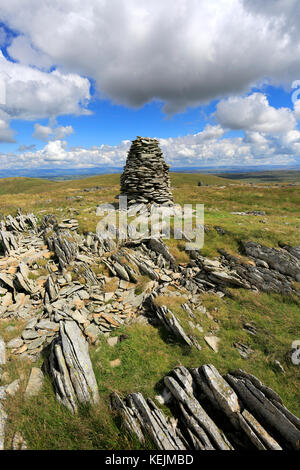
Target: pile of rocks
{"x": 211, "y": 412}
{"x": 146, "y": 175}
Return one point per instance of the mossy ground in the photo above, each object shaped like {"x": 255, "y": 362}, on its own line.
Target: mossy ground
{"x": 149, "y": 353}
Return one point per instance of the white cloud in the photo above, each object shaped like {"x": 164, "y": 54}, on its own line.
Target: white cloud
{"x": 3, "y": 37}
{"x": 61, "y": 132}
{"x": 211, "y": 132}
{"x": 34, "y": 94}
{"x": 189, "y": 151}
{"x": 55, "y": 153}
{"x": 42, "y": 132}
{"x": 297, "y": 109}
{"x": 26, "y": 148}
{"x": 253, "y": 113}
{"x": 6, "y": 134}
{"x": 21, "y": 48}
{"x": 183, "y": 52}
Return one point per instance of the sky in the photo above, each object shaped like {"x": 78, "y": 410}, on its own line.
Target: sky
{"x": 217, "y": 82}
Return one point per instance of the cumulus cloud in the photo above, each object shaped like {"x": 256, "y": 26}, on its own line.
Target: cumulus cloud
{"x": 6, "y": 133}
{"x": 297, "y": 109}
{"x": 56, "y": 152}
{"x": 34, "y": 94}
{"x": 253, "y": 113}
{"x": 26, "y": 148}
{"x": 22, "y": 48}
{"x": 61, "y": 132}
{"x": 41, "y": 132}
{"x": 182, "y": 52}
{"x": 46, "y": 133}
{"x": 3, "y": 37}
{"x": 205, "y": 149}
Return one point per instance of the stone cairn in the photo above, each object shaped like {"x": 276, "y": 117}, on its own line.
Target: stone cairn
{"x": 146, "y": 175}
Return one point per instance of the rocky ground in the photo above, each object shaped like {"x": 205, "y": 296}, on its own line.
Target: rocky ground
{"x": 69, "y": 289}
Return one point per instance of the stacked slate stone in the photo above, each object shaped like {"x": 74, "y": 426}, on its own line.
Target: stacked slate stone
{"x": 146, "y": 175}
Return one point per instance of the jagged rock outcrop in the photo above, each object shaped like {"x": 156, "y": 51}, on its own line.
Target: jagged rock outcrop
{"x": 211, "y": 412}
{"x": 146, "y": 175}
{"x": 171, "y": 323}
{"x": 263, "y": 276}
{"x": 143, "y": 418}
{"x": 285, "y": 261}
{"x": 268, "y": 408}
{"x": 65, "y": 246}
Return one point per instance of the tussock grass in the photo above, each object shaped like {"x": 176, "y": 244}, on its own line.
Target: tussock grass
{"x": 150, "y": 352}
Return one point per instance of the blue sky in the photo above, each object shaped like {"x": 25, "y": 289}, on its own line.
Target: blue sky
{"x": 110, "y": 124}
{"x": 80, "y": 83}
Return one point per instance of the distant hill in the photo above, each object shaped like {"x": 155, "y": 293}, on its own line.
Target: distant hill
{"x": 278, "y": 176}
{"x": 61, "y": 174}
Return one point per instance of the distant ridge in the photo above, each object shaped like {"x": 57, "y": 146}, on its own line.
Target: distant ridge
{"x": 75, "y": 173}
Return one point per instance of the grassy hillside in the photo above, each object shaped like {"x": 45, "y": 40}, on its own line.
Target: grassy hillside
{"x": 221, "y": 197}
{"x": 278, "y": 176}
{"x": 149, "y": 353}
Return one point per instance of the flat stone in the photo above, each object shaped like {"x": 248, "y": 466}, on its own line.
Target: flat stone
{"x": 31, "y": 324}
{"x": 84, "y": 295}
{"x": 78, "y": 317}
{"x": 15, "y": 343}
{"x": 35, "y": 382}
{"x": 30, "y": 334}
{"x": 115, "y": 363}
{"x": 12, "y": 388}
{"x": 92, "y": 332}
{"x": 213, "y": 342}
{"x": 47, "y": 325}
{"x": 22, "y": 349}
{"x": 108, "y": 296}
{"x": 36, "y": 343}
{"x": 113, "y": 340}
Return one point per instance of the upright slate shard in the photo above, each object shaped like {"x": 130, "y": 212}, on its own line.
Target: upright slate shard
{"x": 146, "y": 175}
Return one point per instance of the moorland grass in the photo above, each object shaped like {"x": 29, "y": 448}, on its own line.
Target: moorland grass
{"x": 151, "y": 352}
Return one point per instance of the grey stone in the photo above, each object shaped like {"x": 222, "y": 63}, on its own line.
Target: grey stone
{"x": 36, "y": 343}
{"x": 15, "y": 343}
{"x": 13, "y": 387}
{"x": 213, "y": 342}
{"x": 30, "y": 334}
{"x": 2, "y": 352}
{"x": 47, "y": 325}
{"x": 113, "y": 341}
{"x": 35, "y": 382}
{"x": 71, "y": 368}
